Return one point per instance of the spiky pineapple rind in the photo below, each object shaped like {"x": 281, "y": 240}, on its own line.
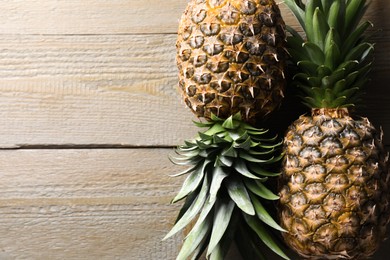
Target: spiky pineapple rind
{"x": 229, "y": 163}
{"x": 334, "y": 186}
{"x": 231, "y": 58}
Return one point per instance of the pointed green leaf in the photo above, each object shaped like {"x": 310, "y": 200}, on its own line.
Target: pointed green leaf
{"x": 195, "y": 239}
{"x": 239, "y": 195}
{"x": 336, "y": 13}
{"x": 354, "y": 12}
{"x": 321, "y": 28}
{"x": 230, "y": 123}
{"x": 308, "y": 67}
{"x": 191, "y": 182}
{"x": 192, "y": 210}
{"x": 215, "y": 129}
{"x": 309, "y": 13}
{"x": 224, "y": 161}
{"x": 241, "y": 168}
{"x": 259, "y": 189}
{"x": 219, "y": 174}
{"x": 264, "y": 216}
{"x": 230, "y": 152}
{"x": 314, "y": 52}
{"x": 332, "y": 56}
{"x": 206, "y": 211}
{"x": 223, "y": 212}
{"x": 265, "y": 236}
{"x": 246, "y": 145}
{"x": 191, "y": 169}
{"x": 359, "y": 52}
{"x": 356, "y": 36}
{"x": 256, "y": 168}
{"x": 297, "y": 11}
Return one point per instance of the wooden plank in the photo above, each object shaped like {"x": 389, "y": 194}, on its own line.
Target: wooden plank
{"x": 90, "y": 16}
{"x": 87, "y": 204}
{"x": 91, "y": 90}
{"x": 90, "y": 204}
{"x": 120, "y": 90}
{"x": 111, "y": 16}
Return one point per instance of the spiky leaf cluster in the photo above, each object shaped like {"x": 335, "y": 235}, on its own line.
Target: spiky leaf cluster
{"x": 225, "y": 191}
{"x": 333, "y": 58}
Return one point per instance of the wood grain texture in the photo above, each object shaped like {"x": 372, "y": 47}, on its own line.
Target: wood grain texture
{"x": 118, "y": 90}
{"x": 87, "y": 204}
{"x": 91, "y": 90}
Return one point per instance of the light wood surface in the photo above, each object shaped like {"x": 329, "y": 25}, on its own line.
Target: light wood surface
{"x": 87, "y": 204}
{"x": 89, "y": 112}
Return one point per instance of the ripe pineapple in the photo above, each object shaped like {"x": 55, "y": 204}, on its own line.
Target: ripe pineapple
{"x": 231, "y": 57}
{"x": 334, "y": 191}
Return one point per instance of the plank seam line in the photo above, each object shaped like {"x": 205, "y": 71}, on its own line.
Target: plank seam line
{"x": 80, "y": 146}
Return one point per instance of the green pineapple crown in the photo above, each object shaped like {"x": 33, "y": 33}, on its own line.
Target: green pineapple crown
{"x": 333, "y": 59}
{"x": 226, "y": 190}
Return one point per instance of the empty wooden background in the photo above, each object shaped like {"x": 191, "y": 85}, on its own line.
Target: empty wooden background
{"x": 88, "y": 114}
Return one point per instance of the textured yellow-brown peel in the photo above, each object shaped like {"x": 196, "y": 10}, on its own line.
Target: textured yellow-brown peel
{"x": 334, "y": 191}
{"x": 231, "y": 57}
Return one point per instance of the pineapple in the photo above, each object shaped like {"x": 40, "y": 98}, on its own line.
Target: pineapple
{"x": 231, "y": 57}
{"x": 334, "y": 191}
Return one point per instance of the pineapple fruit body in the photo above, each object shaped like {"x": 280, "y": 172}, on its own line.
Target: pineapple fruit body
{"x": 334, "y": 191}
{"x": 231, "y": 57}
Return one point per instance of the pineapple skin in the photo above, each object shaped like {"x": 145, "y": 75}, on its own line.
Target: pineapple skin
{"x": 334, "y": 191}
{"x": 231, "y": 57}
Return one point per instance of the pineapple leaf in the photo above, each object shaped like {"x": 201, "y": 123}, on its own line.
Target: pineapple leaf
{"x": 230, "y": 152}
{"x": 323, "y": 71}
{"x": 223, "y": 246}
{"x": 360, "y": 52}
{"x": 264, "y": 236}
{"x": 297, "y": 11}
{"x": 320, "y": 26}
{"x": 192, "y": 210}
{"x": 356, "y": 36}
{"x": 195, "y": 239}
{"x": 250, "y": 158}
{"x": 208, "y": 206}
{"x": 245, "y": 242}
{"x": 256, "y": 168}
{"x": 219, "y": 174}
{"x": 241, "y": 168}
{"x": 239, "y": 195}
{"x": 309, "y": 14}
{"x": 264, "y": 216}
{"x": 223, "y": 213}
{"x": 332, "y": 55}
{"x": 190, "y": 169}
{"x": 339, "y": 86}
{"x": 336, "y": 13}
{"x": 191, "y": 182}
{"x": 308, "y": 67}
{"x": 354, "y": 12}
{"x": 223, "y": 161}
{"x": 214, "y": 129}
{"x": 230, "y": 123}
{"x": 246, "y": 145}
{"x": 314, "y": 52}
{"x": 330, "y": 80}
{"x": 260, "y": 189}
